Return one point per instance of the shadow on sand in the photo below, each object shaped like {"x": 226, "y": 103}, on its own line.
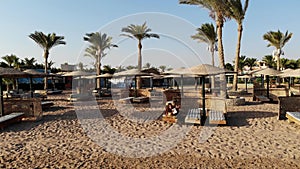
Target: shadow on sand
{"x": 239, "y": 118}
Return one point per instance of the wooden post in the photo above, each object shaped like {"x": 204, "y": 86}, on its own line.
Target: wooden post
{"x": 203, "y": 99}
{"x": 1, "y": 98}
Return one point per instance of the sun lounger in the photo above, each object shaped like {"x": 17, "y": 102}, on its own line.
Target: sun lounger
{"x": 169, "y": 118}
{"x": 10, "y": 118}
{"x": 126, "y": 100}
{"x": 216, "y": 117}
{"x": 46, "y": 104}
{"x": 193, "y": 116}
{"x": 141, "y": 99}
{"x": 293, "y": 117}
{"x": 78, "y": 97}
{"x": 262, "y": 98}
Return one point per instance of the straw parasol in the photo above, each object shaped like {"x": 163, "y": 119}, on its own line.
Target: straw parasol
{"x": 131, "y": 72}
{"x": 32, "y": 74}
{"x": 35, "y": 73}
{"x": 105, "y": 75}
{"x": 77, "y": 73}
{"x": 291, "y": 73}
{"x": 8, "y": 73}
{"x": 268, "y": 72}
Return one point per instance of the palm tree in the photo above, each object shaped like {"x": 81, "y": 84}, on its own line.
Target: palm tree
{"x": 50, "y": 64}
{"x": 46, "y": 42}
{"x": 162, "y": 68}
{"x": 284, "y": 63}
{"x": 207, "y": 34}
{"x": 29, "y": 63}
{"x": 147, "y": 66}
{"x": 278, "y": 40}
{"x": 139, "y": 32}
{"x": 269, "y": 60}
{"x": 11, "y": 60}
{"x": 131, "y": 67}
{"x": 251, "y": 62}
{"x": 241, "y": 64}
{"x": 109, "y": 69}
{"x": 98, "y": 44}
{"x": 238, "y": 13}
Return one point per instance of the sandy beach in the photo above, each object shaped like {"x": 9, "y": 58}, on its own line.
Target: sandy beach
{"x": 253, "y": 138}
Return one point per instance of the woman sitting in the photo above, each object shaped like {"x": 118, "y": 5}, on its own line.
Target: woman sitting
{"x": 171, "y": 109}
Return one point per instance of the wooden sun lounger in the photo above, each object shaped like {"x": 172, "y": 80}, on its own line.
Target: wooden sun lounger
{"x": 293, "y": 117}
{"x": 10, "y": 118}
{"x": 46, "y": 104}
{"x": 216, "y": 117}
{"x": 193, "y": 116}
{"x": 262, "y": 98}
{"x": 141, "y": 99}
{"x": 78, "y": 97}
{"x": 126, "y": 100}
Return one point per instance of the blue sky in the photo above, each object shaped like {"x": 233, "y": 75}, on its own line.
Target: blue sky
{"x": 174, "y": 22}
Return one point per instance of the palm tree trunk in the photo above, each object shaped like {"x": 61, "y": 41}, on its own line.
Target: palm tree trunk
{"x": 46, "y": 54}
{"x": 237, "y": 57}
{"x": 278, "y": 61}
{"x": 212, "y": 50}
{"x": 139, "y": 82}
{"x": 219, "y": 24}
{"x": 98, "y": 83}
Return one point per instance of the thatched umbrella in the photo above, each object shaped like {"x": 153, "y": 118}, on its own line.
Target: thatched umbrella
{"x": 8, "y": 73}
{"x": 132, "y": 72}
{"x": 201, "y": 70}
{"x": 105, "y": 76}
{"x": 268, "y": 72}
{"x": 79, "y": 74}
{"x": 33, "y": 74}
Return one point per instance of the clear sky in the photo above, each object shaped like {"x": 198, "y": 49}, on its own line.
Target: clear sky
{"x": 174, "y": 22}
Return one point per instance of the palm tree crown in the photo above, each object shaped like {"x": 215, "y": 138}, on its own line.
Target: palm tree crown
{"x": 207, "y": 34}
{"x": 139, "y": 32}
{"x": 278, "y": 40}
{"x": 47, "y": 41}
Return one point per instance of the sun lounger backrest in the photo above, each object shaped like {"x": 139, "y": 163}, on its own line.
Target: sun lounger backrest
{"x": 217, "y": 104}
{"x": 286, "y": 104}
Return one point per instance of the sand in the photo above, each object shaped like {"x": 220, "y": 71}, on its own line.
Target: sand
{"x": 253, "y": 138}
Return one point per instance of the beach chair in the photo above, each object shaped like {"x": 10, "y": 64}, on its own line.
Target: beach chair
{"x": 10, "y": 118}
{"x": 193, "y": 116}
{"x": 217, "y": 111}
{"x": 141, "y": 99}
{"x": 126, "y": 100}
{"x": 293, "y": 117}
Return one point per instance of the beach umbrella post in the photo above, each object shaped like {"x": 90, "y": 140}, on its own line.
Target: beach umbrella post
{"x": 1, "y": 98}
{"x": 268, "y": 87}
{"x": 30, "y": 87}
{"x": 203, "y": 99}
